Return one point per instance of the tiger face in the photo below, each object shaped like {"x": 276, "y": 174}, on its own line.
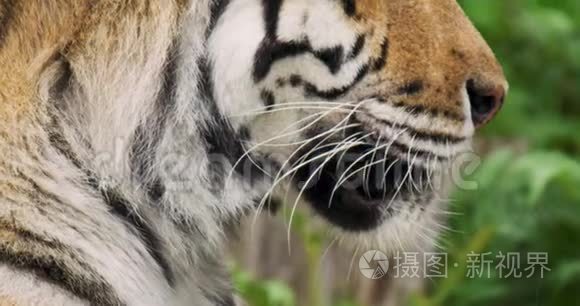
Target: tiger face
{"x": 120, "y": 121}
{"x": 360, "y": 102}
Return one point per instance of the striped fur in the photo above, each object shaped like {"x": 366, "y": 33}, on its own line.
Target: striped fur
{"x": 135, "y": 134}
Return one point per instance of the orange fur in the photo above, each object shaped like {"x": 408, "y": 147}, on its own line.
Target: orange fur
{"x": 434, "y": 42}
{"x": 5, "y": 301}
{"x": 37, "y": 31}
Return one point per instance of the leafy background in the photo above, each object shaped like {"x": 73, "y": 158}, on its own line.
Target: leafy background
{"x": 528, "y": 198}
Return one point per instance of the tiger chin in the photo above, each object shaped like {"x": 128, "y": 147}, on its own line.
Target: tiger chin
{"x": 134, "y": 135}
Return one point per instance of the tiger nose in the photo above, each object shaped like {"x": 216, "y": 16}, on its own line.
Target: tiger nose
{"x": 485, "y": 102}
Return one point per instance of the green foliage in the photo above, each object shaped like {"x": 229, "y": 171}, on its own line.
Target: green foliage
{"x": 528, "y": 203}
{"x": 262, "y": 293}
{"x": 538, "y": 43}
{"x": 525, "y": 202}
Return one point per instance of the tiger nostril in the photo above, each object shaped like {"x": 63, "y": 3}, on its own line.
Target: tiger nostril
{"x": 485, "y": 102}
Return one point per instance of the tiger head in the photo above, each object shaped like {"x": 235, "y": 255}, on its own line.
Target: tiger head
{"x": 363, "y": 104}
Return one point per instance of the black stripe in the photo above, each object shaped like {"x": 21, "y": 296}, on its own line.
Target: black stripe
{"x": 7, "y": 11}
{"x": 421, "y": 109}
{"x": 119, "y": 206}
{"x": 349, "y": 7}
{"x": 335, "y": 93}
{"x": 381, "y": 61}
{"x": 411, "y": 88}
{"x": 64, "y": 80}
{"x": 295, "y": 80}
{"x": 226, "y": 300}
{"x": 403, "y": 149}
{"x": 271, "y": 9}
{"x": 141, "y": 157}
{"x": 146, "y": 139}
{"x": 433, "y": 136}
{"x": 23, "y": 184}
{"x": 124, "y": 211}
{"x": 220, "y": 138}
{"x": 357, "y": 47}
{"x": 148, "y": 136}
{"x": 58, "y": 90}
{"x": 58, "y": 141}
{"x": 271, "y": 51}
{"x": 29, "y": 252}
{"x": 331, "y": 57}
{"x": 218, "y": 7}
{"x": 37, "y": 190}
{"x": 268, "y": 98}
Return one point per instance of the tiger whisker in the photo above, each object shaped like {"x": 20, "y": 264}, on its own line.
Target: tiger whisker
{"x": 342, "y": 146}
{"x": 344, "y": 174}
{"x": 398, "y": 239}
{"x": 430, "y": 172}
{"x": 334, "y": 144}
{"x": 353, "y": 173}
{"x": 257, "y": 146}
{"x": 338, "y": 148}
{"x": 331, "y": 132}
{"x": 351, "y": 265}
{"x": 319, "y": 116}
{"x": 340, "y": 180}
{"x": 327, "y": 249}
{"x": 366, "y": 174}
{"x": 394, "y": 162}
{"x": 289, "y": 109}
{"x": 339, "y": 162}
{"x": 294, "y": 103}
{"x": 383, "y": 182}
{"x": 303, "y": 143}
{"x": 411, "y": 179}
{"x": 278, "y": 179}
{"x": 398, "y": 190}
{"x": 314, "y": 173}
{"x": 345, "y": 178}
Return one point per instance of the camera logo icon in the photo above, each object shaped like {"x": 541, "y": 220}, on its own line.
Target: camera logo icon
{"x": 374, "y": 265}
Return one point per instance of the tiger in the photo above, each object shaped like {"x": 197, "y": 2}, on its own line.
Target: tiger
{"x": 136, "y": 134}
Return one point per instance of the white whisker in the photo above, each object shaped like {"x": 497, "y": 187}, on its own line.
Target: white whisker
{"x": 278, "y": 179}
{"x": 366, "y": 174}
{"x": 297, "y": 105}
{"x": 341, "y": 181}
{"x": 291, "y": 108}
{"x": 294, "y": 169}
{"x": 307, "y": 183}
{"x": 351, "y": 265}
{"x": 257, "y": 146}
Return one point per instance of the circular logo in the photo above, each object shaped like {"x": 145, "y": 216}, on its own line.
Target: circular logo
{"x": 374, "y": 265}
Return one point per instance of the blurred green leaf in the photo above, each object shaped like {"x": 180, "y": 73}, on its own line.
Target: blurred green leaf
{"x": 541, "y": 169}
{"x": 262, "y": 293}
{"x": 566, "y": 274}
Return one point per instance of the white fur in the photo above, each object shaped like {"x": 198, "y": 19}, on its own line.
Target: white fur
{"x": 31, "y": 291}
{"x": 232, "y": 47}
